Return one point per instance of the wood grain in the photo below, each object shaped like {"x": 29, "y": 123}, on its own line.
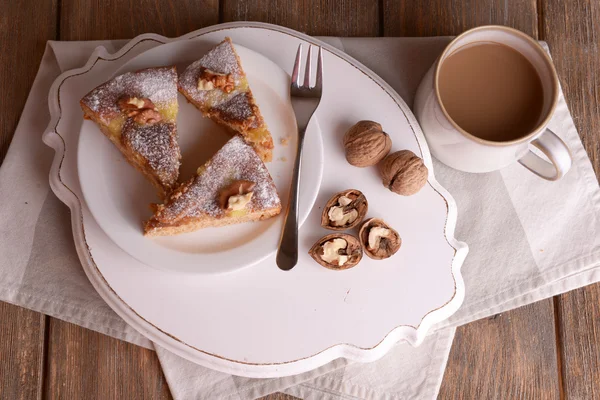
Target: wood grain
{"x": 21, "y": 353}
{"x": 579, "y": 332}
{"x": 511, "y": 356}
{"x": 572, "y": 30}
{"x": 451, "y": 17}
{"x": 83, "y": 364}
{"x": 24, "y": 30}
{"x": 119, "y": 19}
{"x": 314, "y": 17}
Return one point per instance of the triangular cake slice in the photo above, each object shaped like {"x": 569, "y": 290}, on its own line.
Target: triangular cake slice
{"x": 233, "y": 187}
{"x": 137, "y": 111}
{"x": 217, "y": 85}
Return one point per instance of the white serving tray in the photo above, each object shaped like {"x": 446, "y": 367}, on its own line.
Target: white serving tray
{"x": 260, "y": 321}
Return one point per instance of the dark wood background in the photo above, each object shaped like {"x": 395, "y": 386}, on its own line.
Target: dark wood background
{"x": 544, "y": 350}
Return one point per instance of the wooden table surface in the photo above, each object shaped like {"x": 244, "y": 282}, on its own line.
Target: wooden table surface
{"x": 544, "y": 350}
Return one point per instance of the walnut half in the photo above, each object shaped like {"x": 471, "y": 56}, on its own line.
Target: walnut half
{"x": 378, "y": 239}
{"x": 337, "y": 251}
{"x": 344, "y": 210}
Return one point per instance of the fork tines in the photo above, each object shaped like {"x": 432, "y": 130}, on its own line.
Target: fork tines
{"x": 308, "y": 70}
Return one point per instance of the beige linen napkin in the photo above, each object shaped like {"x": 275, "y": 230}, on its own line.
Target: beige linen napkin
{"x": 529, "y": 239}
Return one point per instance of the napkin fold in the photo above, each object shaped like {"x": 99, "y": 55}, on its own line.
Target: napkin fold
{"x": 529, "y": 239}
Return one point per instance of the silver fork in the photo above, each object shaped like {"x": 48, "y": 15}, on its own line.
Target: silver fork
{"x": 305, "y": 100}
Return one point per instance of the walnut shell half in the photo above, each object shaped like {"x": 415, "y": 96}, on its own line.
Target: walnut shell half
{"x": 344, "y": 210}
{"x": 337, "y": 251}
{"x": 378, "y": 239}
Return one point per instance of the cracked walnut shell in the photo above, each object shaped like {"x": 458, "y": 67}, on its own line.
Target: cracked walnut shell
{"x": 378, "y": 239}
{"x": 366, "y": 144}
{"x": 337, "y": 251}
{"x": 403, "y": 172}
{"x": 344, "y": 210}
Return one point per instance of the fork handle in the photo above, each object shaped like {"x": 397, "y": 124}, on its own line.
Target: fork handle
{"x": 287, "y": 254}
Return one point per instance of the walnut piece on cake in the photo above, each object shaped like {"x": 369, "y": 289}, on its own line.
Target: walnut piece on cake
{"x": 216, "y": 84}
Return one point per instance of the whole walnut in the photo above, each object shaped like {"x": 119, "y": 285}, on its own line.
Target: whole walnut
{"x": 366, "y": 144}
{"x": 403, "y": 172}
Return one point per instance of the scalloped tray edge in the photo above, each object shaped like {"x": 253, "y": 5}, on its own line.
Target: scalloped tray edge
{"x": 412, "y": 335}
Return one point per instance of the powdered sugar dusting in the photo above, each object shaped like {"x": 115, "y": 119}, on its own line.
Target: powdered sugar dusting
{"x": 221, "y": 59}
{"x": 157, "y": 84}
{"x": 237, "y": 109}
{"x": 157, "y": 143}
{"x": 235, "y": 161}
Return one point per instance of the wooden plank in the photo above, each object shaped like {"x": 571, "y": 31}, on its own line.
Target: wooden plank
{"x": 572, "y": 30}
{"x": 314, "y": 17}
{"x": 21, "y": 352}
{"x": 579, "y": 332}
{"x": 120, "y": 19}
{"x": 83, "y": 364}
{"x": 24, "y": 31}
{"x": 23, "y": 34}
{"x": 451, "y": 17}
{"x": 511, "y": 355}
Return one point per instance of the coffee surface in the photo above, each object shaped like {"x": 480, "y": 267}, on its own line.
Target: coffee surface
{"x": 491, "y": 91}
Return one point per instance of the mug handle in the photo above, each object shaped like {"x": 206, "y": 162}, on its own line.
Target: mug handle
{"x": 557, "y": 152}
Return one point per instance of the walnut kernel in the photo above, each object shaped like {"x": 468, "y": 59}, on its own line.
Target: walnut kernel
{"x": 378, "y": 239}
{"x": 337, "y": 251}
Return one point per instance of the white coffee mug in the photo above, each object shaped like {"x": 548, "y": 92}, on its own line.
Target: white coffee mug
{"x": 458, "y": 149}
